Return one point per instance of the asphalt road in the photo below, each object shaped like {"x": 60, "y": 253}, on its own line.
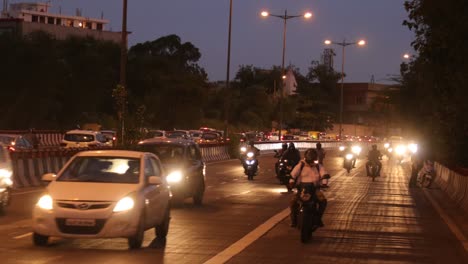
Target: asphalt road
{"x": 246, "y": 222}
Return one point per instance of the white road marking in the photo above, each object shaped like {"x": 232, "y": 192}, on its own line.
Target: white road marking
{"x": 23, "y": 235}
{"x": 237, "y": 247}
{"x": 453, "y": 227}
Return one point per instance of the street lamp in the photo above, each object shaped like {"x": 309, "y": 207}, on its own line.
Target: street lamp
{"x": 226, "y": 98}
{"x": 343, "y": 45}
{"x": 285, "y": 17}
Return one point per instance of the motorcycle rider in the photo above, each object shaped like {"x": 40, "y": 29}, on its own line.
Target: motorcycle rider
{"x": 250, "y": 148}
{"x": 307, "y": 171}
{"x": 321, "y": 155}
{"x": 348, "y": 149}
{"x": 292, "y": 155}
{"x": 374, "y": 156}
{"x": 279, "y": 154}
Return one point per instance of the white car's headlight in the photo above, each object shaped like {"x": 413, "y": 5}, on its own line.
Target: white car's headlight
{"x": 413, "y": 147}
{"x": 45, "y": 202}
{"x": 124, "y": 204}
{"x": 349, "y": 156}
{"x": 5, "y": 173}
{"x": 356, "y": 150}
{"x": 175, "y": 176}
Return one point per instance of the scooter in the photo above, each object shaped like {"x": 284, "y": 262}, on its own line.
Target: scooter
{"x": 348, "y": 162}
{"x": 373, "y": 168}
{"x": 250, "y": 164}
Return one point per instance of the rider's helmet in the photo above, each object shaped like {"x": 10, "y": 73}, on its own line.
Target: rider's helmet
{"x": 291, "y": 145}
{"x": 284, "y": 146}
{"x": 318, "y": 145}
{"x": 310, "y": 156}
{"x": 374, "y": 146}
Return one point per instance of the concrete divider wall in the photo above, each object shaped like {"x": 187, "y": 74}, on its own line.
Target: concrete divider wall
{"x": 454, "y": 184}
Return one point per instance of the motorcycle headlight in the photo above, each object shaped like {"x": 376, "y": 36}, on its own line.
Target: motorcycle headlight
{"x": 250, "y": 154}
{"x": 341, "y": 148}
{"x": 45, "y": 202}
{"x": 243, "y": 149}
{"x": 386, "y": 145}
{"x": 124, "y": 204}
{"x": 250, "y": 162}
{"x": 175, "y": 176}
{"x": 349, "y": 156}
{"x": 390, "y": 150}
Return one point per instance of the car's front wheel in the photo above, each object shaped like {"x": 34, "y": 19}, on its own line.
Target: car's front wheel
{"x": 136, "y": 240}
{"x": 40, "y": 240}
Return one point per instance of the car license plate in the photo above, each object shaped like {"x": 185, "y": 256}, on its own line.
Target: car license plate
{"x": 80, "y": 222}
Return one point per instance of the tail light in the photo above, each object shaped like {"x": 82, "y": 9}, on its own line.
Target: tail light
{"x": 10, "y": 148}
{"x": 114, "y": 138}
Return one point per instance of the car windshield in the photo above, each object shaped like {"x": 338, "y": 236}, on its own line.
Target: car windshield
{"x": 166, "y": 152}
{"x": 102, "y": 169}
{"x": 79, "y": 137}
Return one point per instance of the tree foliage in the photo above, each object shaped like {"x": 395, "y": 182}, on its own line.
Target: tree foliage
{"x": 435, "y": 82}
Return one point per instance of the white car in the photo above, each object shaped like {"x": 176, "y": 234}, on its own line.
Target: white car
{"x": 84, "y": 139}
{"x": 104, "y": 194}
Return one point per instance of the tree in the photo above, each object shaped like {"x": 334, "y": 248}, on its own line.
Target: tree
{"x": 435, "y": 81}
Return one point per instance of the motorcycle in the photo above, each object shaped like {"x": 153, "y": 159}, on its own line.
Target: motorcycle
{"x": 283, "y": 172}
{"x": 373, "y": 168}
{"x": 426, "y": 175}
{"x": 348, "y": 162}
{"x": 250, "y": 164}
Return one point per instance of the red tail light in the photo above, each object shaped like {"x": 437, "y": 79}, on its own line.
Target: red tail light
{"x": 10, "y": 148}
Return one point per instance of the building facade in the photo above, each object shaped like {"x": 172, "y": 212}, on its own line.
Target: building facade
{"x": 25, "y": 18}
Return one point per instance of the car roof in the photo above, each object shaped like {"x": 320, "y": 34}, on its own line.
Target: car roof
{"x": 79, "y": 131}
{"x": 180, "y": 141}
{"x": 113, "y": 153}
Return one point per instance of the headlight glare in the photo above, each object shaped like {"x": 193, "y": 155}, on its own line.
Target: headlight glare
{"x": 175, "y": 176}
{"x": 45, "y": 202}
{"x": 5, "y": 173}
{"x": 250, "y": 154}
{"x": 349, "y": 156}
{"x": 124, "y": 204}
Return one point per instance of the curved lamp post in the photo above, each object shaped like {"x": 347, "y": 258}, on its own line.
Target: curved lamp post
{"x": 285, "y": 17}
{"x": 343, "y": 44}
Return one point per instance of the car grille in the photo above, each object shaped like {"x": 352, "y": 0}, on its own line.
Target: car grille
{"x": 82, "y": 230}
{"x": 83, "y": 206}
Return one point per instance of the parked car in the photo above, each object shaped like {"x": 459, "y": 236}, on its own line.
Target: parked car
{"x": 185, "y": 134}
{"x": 84, "y": 139}
{"x": 104, "y": 194}
{"x": 183, "y": 161}
{"x": 15, "y": 142}
{"x": 210, "y": 137}
{"x": 6, "y": 172}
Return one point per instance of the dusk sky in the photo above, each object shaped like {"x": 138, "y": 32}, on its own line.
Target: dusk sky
{"x": 257, "y": 41}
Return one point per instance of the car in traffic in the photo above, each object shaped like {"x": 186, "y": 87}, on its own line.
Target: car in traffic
{"x": 84, "y": 139}
{"x": 210, "y": 137}
{"x": 104, "y": 194}
{"x": 6, "y": 173}
{"x": 15, "y": 142}
{"x": 185, "y": 134}
{"x": 183, "y": 162}
{"x": 111, "y": 137}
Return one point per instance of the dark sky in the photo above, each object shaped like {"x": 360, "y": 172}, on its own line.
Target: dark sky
{"x": 258, "y": 41}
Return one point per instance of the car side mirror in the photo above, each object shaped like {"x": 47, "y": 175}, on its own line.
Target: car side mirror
{"x": 48, "y": 177}
{"x": 154, "y": 180}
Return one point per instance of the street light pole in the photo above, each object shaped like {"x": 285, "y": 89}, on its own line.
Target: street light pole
{"x": 123, "y": 70}
{"x": 343, "y": 45}
{"x": 285, "y": 17}
{"x": 226, "y": 98}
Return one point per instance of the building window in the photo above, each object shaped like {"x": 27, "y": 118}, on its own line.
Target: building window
{"x": 58, "y": 21}
{"x": 99, "y": 26}
{"x": 35, "y": 19}
{"x": 50, "y": 20}
{"x": 42, "y": 19}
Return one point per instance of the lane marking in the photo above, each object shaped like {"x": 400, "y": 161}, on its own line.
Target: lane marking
{"x": 237, "y": 247}
{"x": 453, "y": 227}
{"x": 23, "y": 235}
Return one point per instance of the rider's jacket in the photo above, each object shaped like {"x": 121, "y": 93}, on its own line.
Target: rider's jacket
{"x": 374, "y": 155}
{"x": 308, "y": 173}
